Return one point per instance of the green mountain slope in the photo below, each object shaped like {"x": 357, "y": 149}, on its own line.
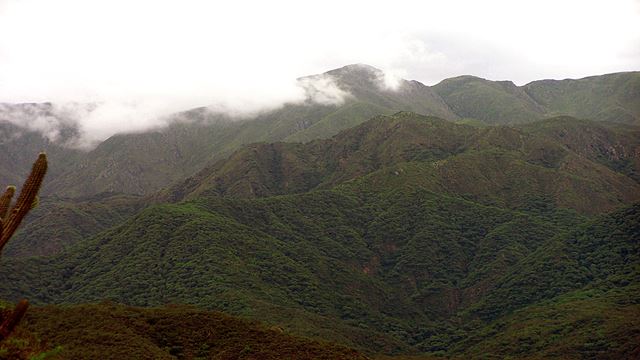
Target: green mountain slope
{"x": 317, "y": 254}
{"x": 369, "y": 97}
{"x": 498, "y": 165}
{"x": 611, "y": 97}
{"x": 369, "y": 271}
{"x": 508, "y": 167}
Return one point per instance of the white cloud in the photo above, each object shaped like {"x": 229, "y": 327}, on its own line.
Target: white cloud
{"x": 323, "y": 89}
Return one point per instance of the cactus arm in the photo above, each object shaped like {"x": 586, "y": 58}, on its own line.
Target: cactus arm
{"x": 5, "y": 201}
{"x": 13, "y": 319}
{"x": 25, "y": 201}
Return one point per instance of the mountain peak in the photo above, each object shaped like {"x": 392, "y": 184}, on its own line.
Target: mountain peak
{"x": 355, "y": 68}
{"x": 357, "y": 74}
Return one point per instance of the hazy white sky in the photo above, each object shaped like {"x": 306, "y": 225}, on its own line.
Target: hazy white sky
{"x": 145, "y": 58}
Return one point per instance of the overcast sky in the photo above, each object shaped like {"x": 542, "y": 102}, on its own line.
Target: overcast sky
{"x": 151, "y": 57}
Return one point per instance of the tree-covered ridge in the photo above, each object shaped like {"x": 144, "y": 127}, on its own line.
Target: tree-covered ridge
{"x": 503, "y": 165}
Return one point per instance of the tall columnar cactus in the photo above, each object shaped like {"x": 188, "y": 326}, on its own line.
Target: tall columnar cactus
{"x": 10, "y": 219}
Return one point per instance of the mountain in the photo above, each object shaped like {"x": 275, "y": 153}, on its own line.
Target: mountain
{"x": 370, "y": 96}
{"x": 583, "y": 285}
{"x": 404, "y": 234}
{"x": 144, "y": 163}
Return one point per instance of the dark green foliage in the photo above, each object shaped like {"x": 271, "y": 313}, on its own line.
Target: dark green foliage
{"x": 503, "y": 166}
{"x": 584, "y": 288}
{"x": 613, "y": 146}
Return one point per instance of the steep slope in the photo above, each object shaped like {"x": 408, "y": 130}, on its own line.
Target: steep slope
{"x": 508, "y": 167}
{"x": 282, "y": 168}
{"x": 371, "y": 94}
{"x": 358, "y": 268}
{"x": 144, "y": 163}
{"x": 385, "y": 271}
{"x": 611, "y": 97}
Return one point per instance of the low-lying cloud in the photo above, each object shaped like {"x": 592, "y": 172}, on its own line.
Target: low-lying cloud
{"x": 86, "y": 124}
{"x": 323, "y": 89}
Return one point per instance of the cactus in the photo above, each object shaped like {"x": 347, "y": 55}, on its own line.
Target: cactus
{"x": 10, "y": 219}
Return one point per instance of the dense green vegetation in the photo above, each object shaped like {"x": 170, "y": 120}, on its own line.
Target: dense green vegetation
{"x": 406, "y": 234}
